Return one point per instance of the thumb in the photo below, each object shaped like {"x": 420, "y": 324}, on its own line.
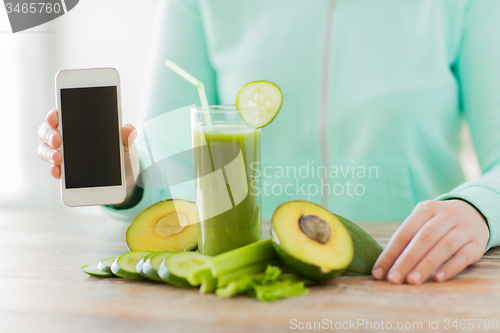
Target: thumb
{"x": 129, "y": 133}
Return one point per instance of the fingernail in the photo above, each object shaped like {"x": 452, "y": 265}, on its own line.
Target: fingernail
{"x": 415, "y": 277}
{"x": 51, "y": 156}
{"x": 378, "y": 273}
{"x": 395, "y": 277}
{"x": 51, "y": 136}
{"x": 439, "y": 276}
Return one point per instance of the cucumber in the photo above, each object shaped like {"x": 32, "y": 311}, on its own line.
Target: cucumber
{"x": 94, "y": 270}
{"x": 174, "y": 269}
{"x": 258, "y": 103}
{"x": 124, "y": 266}
{"x": 151, "y": 264}
{"x": 105, "y": 264}
{"x": 140, "y": 263}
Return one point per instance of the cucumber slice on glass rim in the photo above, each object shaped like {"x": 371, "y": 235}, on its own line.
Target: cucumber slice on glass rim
{"x": 258, "y": 103}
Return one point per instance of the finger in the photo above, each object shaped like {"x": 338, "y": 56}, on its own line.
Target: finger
{"x": 131, "y": 154}
{"x": 421, "y": 214}
{"x": 129, "y": 133}
{"x": 49, "y": 135}
{"x": 55, "y": 171}
{"x": 423, "y": 241}
{"x": 442, "y": 251}
{"x": 52, "y": 118}
{"x": 49, "y": 154}
{"x": 467, "y": 255}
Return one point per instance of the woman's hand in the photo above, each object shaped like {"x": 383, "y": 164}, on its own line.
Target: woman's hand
{"x": 430, "y": 235}
{"x": 49, "y": 151}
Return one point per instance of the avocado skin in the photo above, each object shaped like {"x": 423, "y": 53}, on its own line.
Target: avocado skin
{"x": 300, "y": 268}
{"x": 366, "y": 248}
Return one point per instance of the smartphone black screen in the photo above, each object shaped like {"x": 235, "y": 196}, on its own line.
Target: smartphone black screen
{"x": 91, "y": 146}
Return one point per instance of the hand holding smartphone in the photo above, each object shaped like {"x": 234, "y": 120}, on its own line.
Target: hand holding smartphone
{"x": 92, "y": 171}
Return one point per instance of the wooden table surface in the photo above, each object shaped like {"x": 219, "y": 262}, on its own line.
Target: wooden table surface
{"x": 42, "y": 289}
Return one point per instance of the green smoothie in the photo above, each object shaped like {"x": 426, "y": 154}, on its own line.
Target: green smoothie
{"x": 227, "y": 171}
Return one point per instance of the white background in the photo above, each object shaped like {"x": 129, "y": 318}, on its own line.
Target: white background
{"x": 96, "y": 33}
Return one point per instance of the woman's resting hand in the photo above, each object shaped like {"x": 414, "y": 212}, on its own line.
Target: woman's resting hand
{"x": 430, "y": 235}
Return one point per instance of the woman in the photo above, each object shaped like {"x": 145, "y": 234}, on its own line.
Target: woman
{"x": 379, "y": 86}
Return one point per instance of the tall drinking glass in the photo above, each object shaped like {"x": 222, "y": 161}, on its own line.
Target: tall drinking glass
{"x": 227, "y": 173}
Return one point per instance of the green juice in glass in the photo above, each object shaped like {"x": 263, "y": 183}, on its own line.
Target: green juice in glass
{"x": 227, "y": 173}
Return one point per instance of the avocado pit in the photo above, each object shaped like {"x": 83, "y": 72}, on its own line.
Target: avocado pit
{"x": 315, "y": 228}
{"x": 171, "y": 224}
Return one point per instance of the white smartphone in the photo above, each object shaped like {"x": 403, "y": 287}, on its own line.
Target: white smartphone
{"x": 92, "y": 171}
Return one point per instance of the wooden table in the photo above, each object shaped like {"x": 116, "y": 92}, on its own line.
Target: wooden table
{"x": 43, "y": 290}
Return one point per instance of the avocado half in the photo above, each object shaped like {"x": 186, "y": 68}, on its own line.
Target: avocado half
{"x": 169, "y": 225}
{"x": 310, "y": 240}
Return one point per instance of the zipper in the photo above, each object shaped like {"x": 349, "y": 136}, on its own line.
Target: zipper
{"x": 323, "y": 111}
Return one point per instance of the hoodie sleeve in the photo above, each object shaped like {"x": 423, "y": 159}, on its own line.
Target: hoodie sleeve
{"x": 478, "y": 69}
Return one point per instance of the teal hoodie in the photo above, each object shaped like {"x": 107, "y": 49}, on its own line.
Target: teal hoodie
{"x": 374, "y": 92}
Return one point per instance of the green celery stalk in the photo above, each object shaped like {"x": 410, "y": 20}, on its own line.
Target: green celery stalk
{"x": 208, "y": 282}
{"x": 266, "y": 287}
{"x": 241, "y": 257}
{"x": 244, "y": 284}
{"x": 279, "y": 289}
{"x": 193, "y": 275}
{"x": 255, "y": 268}
{"x": 231, "y": 290}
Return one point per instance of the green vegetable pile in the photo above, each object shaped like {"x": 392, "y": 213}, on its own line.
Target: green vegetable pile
{"x": 254, "y": 270}
{"x": 306, "y": 239}
{"x": 268, "y": 286}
